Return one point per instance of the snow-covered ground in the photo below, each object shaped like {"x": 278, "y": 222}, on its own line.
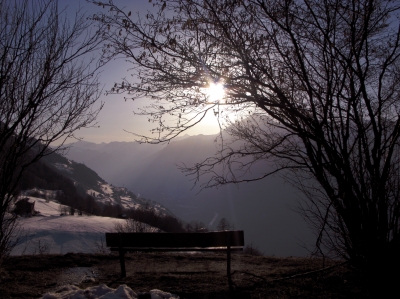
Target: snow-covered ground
{"x": 52, "y": 233}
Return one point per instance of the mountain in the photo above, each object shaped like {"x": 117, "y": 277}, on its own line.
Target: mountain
{"x": 113, "y": 160}
{"x": 80, "y": 186}
{"x": 263, "y": 209}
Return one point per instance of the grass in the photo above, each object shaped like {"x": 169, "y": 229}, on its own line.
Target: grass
{"x": 192, "y": 276}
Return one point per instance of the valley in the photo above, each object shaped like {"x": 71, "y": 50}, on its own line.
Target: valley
{"x": 263, "y": 209}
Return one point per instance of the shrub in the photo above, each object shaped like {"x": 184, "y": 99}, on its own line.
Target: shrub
{"x": 252, "y": 250}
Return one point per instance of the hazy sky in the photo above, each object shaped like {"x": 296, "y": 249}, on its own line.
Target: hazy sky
{"x": 117, "y": 115}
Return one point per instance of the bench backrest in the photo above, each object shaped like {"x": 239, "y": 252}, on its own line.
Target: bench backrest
{"x": 175, "y": 240}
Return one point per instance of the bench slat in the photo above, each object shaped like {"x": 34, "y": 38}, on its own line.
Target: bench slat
{"x": 145, "y": 249}
{"x": 175, "y": 240}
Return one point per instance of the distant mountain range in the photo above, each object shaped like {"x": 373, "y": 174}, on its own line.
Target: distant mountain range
{"x": 263, "y": 209}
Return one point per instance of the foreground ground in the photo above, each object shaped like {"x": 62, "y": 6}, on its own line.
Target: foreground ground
{"x": 192, "y": 276}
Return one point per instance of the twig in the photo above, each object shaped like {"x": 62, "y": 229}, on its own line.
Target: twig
{"x": 292, "y": 276}
{"x": 308, "y": 273}
{"x": 251, "y": 274}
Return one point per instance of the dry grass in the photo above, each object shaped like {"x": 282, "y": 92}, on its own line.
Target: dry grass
{"x": 187, "y": 275}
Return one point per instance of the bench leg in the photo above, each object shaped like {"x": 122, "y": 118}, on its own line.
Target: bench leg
{"x": 228, "y": 266}
{"x": 122, "y": 262}
{"x": 228, "y": 262}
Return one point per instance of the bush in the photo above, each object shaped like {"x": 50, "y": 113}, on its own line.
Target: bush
{"x": 252, "y": 250}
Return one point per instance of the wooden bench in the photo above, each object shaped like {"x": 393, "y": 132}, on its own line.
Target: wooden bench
{"x": 211, "y": 241}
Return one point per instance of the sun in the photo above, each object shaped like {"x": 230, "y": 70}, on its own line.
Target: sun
{"x": 215, "y": 92}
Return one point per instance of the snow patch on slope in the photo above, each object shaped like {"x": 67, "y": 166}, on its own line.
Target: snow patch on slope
{"x": 64, "y": 167}
{"x": 106, "y": 188}
{"x": 57, "y": 234}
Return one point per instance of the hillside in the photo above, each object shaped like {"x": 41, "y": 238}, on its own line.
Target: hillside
{"x": 58, "y": 178}
{"x": 89, "y": 182}
{"x": 49, "y": 232}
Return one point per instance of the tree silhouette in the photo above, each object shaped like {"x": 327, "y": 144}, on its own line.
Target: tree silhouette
{"x": 224, "y": 224}
{"x": 48, "y": 88}
{"x": 311, "y": 89}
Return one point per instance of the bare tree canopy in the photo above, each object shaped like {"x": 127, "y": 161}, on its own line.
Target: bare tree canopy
{"x": 311, "y": 87}
{"x": 224, "y": 224}
{"x": 48, "y": 88}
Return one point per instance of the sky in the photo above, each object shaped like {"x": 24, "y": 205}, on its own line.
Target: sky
{"x": 117, "y": 117}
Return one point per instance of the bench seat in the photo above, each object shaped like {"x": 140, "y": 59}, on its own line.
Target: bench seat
{"x": 228, "y": 241}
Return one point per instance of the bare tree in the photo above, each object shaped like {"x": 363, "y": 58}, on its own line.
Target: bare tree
{"x": 63, "y": 209}
{"x": 196, "y": 227}
{"x": 134, "y": 226}
{"x": 48, "y": 88}
{"x": 311, "y": 89}
{"x": 224, "y": 224}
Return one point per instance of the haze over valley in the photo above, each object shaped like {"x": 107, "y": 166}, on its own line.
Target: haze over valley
{"x": 263, "y": 209}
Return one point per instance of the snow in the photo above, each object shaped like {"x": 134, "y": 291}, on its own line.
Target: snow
{"x": 128, "y": 203}
{"x": 50, "y": 194}
{"x": 64, "y": 167}
{"x": 126, "y": 198}
{"x": 111, "y": 195}
{"x": 52, "y": 233}
{"x": 106, "y": 188}
{"x": 91, "y": 191}
{"x": 103, "y": 292}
